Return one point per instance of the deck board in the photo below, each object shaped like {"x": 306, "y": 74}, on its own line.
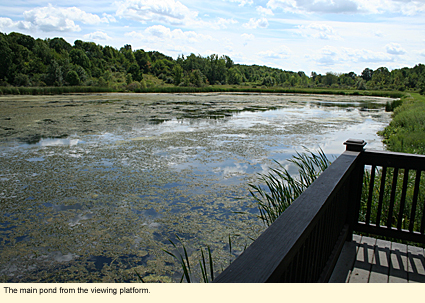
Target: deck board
{"x": 380, "y": 266}
{"x": 416, "y": 264}
{"x": 368, "y": 260}
{"x": 364, "y": 261}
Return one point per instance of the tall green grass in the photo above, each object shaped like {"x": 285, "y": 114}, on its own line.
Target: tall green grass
{"x": 279, "y": 188}
{"x": 55, "y": 90}
{"x": 406, "y": 131}
{"x": 206, "y": 271}
{"x": 11, "y": 90}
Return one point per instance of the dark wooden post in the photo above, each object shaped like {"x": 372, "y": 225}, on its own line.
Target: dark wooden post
{"x": 355, "y": 145}
{"x": 355, "y": 191}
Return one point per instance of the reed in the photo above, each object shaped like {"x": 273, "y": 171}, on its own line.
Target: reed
{"x": 183, "y": 260}
{"x": 281, "y": 188}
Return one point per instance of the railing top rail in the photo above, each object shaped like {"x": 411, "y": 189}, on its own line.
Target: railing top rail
{"x": 393, "y": 159}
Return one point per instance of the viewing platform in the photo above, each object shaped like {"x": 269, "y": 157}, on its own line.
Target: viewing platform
{"x": 370, "y": 260}
{"x": 379, "y": 194}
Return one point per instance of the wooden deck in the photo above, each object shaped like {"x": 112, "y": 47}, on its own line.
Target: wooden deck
{"x": 369, "y": 260}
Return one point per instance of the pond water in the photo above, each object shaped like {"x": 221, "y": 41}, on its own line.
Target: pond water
{"x": 95, "y": 207}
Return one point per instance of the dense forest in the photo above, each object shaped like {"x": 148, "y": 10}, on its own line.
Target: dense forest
{"x": 29, "y": 62}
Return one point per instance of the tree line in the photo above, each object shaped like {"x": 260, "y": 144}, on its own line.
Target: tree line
{"x": 29, "y": 62}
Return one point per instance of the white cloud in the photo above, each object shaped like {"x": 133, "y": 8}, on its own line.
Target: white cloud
{"x": 51, "y": 18}
{"x": 365, "y": 55}
{"x": 223, "y": 23}
{"x": 314, "y": 6}
{"x": 406, "y": 7}
{"x": 110, "y": 18}
{"x": 247, "y": 37}
{"x": 395, "y": 49}
{"x": 155, "y": 32}
{"x": 6, "y": 23}
{"x": 242, "y": 2}
{"x": 254, "y": 23}
{"x": 280, "y": 53}
{"x": 98, "y": 35}
{"x": 329, "y": 55}
{"x": 422, "y": 53}
{"x": 168, "y": 11}
{"x": 320, "y": 31}
{"x": 264, "y": 11}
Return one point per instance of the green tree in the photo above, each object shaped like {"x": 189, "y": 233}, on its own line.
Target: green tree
{"x": 59, "y": 45}
{"x": 143, "y": 60}
{"x": 6, "y": 56}
{"x": 54, "y": 74}
{"x": 72, "y": 78}
{"x": 22, "y": 80}
{"x": 234, "y": 76}
{"x": 135, "y": 72}
{"x": 197, "y": 78}
{"x": 178, "y": 74}
{"x": 367, "y": 74}
{"x": 79, "y": 57}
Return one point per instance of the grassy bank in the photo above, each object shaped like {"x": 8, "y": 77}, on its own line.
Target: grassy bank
{"x": 205, "y": 89}
{"x": 406, "y": 131}
{"x": 55, "y": 90}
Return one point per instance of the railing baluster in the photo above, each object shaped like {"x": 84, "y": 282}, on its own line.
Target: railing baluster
{"x": 403, "y": 199}
{"x": 314, "y": 249}
{"x": 415, "y": 201}
{"x": 392, "y": 198}
{"x": 381, "y": 196}
{"x": 423, "y": 220}
{"x": 310, "y": 257}
{"x": 369, "y": 200}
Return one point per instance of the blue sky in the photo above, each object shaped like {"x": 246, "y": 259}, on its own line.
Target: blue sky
{"x": 295, "y": 35}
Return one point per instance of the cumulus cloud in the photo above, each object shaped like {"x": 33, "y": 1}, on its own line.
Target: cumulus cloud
{"x": 264, "y": 11}
{"x": 320, "y": 31}
{"x": 223, "y": 23}
{"x": 406, "y": 7}
{"x": 242, "y": 2}
{"x": 254, "y": 23}
{"x": 98, "y": 35}
{"x": 280, "y": 53}
{"x": 163, "y": 33}
{"x": 395, "y": 49}
{"x": 330, "y": 55}
{"x": 314, "y": 6}
{"x": 168, "y": 11}
{"x": 52, "y": 18}
{"x": 7, "y": 23}
{"x": 248, "y": 37}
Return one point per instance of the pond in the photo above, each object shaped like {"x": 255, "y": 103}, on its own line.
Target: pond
{"x": 93, "y": 187}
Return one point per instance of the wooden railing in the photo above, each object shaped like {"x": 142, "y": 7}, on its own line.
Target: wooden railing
{"x": 304, "y": 243}
{"x": 392, "y": 203}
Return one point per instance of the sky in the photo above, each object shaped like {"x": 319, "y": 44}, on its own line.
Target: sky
{"x": 323, "y": 36}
